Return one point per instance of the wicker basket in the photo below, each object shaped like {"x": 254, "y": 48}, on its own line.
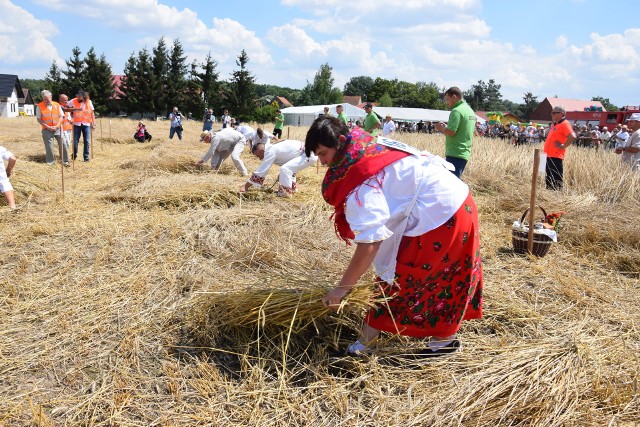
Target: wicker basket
{"x": 520, "y": 238}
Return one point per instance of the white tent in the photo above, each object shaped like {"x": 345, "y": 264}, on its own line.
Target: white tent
{"x": 304, "y": 116}
{"x": 416, "y": 114}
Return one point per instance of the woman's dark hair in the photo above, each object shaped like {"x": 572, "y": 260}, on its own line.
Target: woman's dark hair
{"x": 325, "y": 131}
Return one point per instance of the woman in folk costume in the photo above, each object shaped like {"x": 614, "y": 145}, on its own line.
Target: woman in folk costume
{"x": 417, "y": 223}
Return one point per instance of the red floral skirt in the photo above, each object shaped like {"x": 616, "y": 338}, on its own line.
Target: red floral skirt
{"x": 438, "y": 280}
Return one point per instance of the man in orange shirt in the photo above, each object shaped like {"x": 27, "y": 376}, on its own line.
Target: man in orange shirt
{"x": 561, "y": 135}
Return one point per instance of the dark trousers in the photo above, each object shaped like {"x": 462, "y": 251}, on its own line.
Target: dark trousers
{"x": 277, "y": 133}
{"x": 554, "y": 172}
{"x": 85, "y": 130}
{"x": 458, "y": 163}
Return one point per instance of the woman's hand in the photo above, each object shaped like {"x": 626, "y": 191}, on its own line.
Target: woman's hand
{"x": 333, "y": 298}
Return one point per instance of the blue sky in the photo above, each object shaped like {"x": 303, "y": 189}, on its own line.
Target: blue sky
{"x": 569, "y": 48}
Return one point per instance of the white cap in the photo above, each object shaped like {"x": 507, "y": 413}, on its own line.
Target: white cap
{"x": 635, "y": 117}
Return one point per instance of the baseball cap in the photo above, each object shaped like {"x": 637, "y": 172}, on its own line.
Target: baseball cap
{"x": 634, "y": 117}
{"x": 368, "y": 105}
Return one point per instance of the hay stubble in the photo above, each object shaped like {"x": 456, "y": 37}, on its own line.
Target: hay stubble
{"x": 103, "y": 299}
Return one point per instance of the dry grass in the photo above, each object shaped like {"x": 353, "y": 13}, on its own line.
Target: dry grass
{"x": 118, "y": 300}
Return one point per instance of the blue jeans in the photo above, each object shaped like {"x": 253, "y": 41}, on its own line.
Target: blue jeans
{"x": 458, "y": 163}
{"x": 174, "y": 130}
{"x": 85, "y": 130}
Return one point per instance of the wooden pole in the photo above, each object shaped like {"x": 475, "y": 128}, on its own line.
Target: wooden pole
{"x": 110, "y": 131}
{"x": 288, "y": 129}
{"x": 100, "y": 127}
{"x": 62, "y": 161}
{"x": 532, "y": 201}
{"x": 317, "y": 166}
{"x": 91, "y": 141}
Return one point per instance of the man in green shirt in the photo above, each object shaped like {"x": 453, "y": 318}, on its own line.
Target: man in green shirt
{"x": 458, "y": 131}
{"x": 277, "y": 130}
{"x": 341, "y": 115}
{"x": 371, "y": 121}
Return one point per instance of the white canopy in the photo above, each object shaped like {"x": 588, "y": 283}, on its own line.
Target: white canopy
{"x": 416, "y": 114}
{"x": 305, "y": 115}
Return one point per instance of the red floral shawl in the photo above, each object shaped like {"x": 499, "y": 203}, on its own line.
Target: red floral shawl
{"x": 359, "y": 159}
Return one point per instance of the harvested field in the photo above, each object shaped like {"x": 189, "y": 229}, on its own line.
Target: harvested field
{"x": 155, "y": 294}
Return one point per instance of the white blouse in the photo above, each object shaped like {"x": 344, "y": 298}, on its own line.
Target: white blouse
{"x": 376, "y": 209}
{"x": 279, "y": 154}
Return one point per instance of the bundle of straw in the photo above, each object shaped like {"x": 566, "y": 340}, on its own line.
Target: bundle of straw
{"x": 271, "y": 311}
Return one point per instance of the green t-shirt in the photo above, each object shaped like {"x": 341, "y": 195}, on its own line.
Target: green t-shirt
{"x": 369, "y": 121}
{"x": 342, "y": 116}
{"x": 279, "y": 121}
{"x": 462, "y": 120}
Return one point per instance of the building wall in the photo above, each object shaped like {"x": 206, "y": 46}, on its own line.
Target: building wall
{"x": 10, "y": 107}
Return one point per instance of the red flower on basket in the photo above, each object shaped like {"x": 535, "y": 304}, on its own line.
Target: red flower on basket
{"x": 553, "y": 219}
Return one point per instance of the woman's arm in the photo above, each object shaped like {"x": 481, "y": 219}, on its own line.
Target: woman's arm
{"x": 360, "y": 262}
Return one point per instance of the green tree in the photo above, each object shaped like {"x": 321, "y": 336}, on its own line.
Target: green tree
{"x": 160, "y": 68}
{"x": 176, "y": 77}
{"x": 266, "y": 113}
{"x": 98, "y": 80}
{"x": 385, "y": 100}
{"x": 605, "y": 103}
{"x": 529, "y": 106}
{"x": 321, "y": 91}
{"x": 74, "y": 75}
{"x": 129, "y": 85}
{"x": 380, "y": 87}
{"x": 242, "y": 89}
{"x": 358, "y": 86}
{"x": 35, "y": 86}
{"x": 429, "y": 96}
{"x": 194, "y": 103}
{"x": 53, "y": 80}
{"x": 494, "y": 97}
{"x": 208, "y": 80}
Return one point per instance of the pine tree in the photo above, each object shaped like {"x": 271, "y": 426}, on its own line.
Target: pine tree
{"x": 129, "y": 85}
{"x": 160, "y": 67}
{"x": 194, "y": 103}
{"x": 209, "y": 83}
{"x": 53, "y": 80}
{"x": 242, "y": 87}
{"x": 74, "y": 75}
{"x": 176, "y": 82}
{"x": 144, "y": 74}
{"x": 98, "y": 81}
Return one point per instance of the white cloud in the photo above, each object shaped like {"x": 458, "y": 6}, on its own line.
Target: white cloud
{"x": 225, "y": 38}
{"x": 561, "y": 41}
{"x": 25, "y": 39}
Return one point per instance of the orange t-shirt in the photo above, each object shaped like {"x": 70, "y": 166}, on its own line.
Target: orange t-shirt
{"x": 559, "y": 132}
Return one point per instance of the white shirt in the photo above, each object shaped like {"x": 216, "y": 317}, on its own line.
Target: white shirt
{"x": 224, "y": 140}
{"x": 633, "y": 159}
{"x": 375, "y": 209}
{"x": 245, "y": 130}
{"x": 278, "y": 154}
{"x": 388, "y": 127}
{"x": 621, "y": 138}
{"x": 255, "y": 139}
{"x": 5, "y": 155}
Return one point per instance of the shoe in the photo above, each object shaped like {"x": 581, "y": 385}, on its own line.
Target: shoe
{"x": 66, "y": 164}
{"x": 51, "y": 163}
{"x": 86, "y": 160}
{"x": 452, "y": 347}
{"x": 283, "y": 194}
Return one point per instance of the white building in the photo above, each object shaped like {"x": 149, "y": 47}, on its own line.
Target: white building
{"x": 10, "y": 92}
{"x": 26, "y": 104}
{"x": 416, "y": 114}
{"x": 304, "y": 116}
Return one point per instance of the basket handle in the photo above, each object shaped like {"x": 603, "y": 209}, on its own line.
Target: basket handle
{"x": 524, "y": 215}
